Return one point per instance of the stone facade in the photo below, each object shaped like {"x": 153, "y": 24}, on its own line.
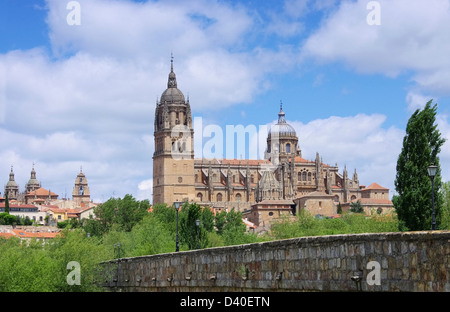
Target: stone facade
{"x": 411, "y": 261}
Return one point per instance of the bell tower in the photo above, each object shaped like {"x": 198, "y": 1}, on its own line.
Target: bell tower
{"x": 81, "y": 192}
{"x": 173, "y": 159}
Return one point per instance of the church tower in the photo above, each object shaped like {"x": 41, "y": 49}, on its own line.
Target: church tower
{"x": 81, "y": 192}
{"x": 173, "y": 159}
{"x": 12, "y": 188}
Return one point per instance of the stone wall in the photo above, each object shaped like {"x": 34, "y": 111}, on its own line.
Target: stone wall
{"x": 412, "y": 261}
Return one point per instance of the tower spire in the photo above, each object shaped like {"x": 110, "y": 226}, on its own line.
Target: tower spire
{"x": 281, "y": 114}
{"x": 172, "y": 83}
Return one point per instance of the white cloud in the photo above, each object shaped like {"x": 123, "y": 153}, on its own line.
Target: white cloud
{"x": 358, "y": 142}
{"x": 412, "y": 38}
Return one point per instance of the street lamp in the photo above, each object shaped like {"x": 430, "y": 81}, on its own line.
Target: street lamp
{"x": 177, "y": 204}
{"x": 197, "y": 223}
{"x": 432, "y": 169}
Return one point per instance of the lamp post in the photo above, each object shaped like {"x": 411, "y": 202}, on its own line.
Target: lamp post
{"x": 197, "y": 223}
{"x": 177, "y": 204}
{"x": 432, "y": 169}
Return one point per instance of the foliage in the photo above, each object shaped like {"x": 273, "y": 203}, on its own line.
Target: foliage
{"x": 189, "y": 232}
{"x": 421, "y": 146}
{"x": 305, "y": 224}
{"x": 6, "y": 203}
{"x": 124, "y": 213}
{"x": 445, "y": 219}
{"x": 7, "y": 219}
{"x": 356, "y": 207}
{"x": 42, "y": 267}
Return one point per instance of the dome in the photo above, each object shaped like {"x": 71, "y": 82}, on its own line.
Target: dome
{"x": 172, "y": 95}
{"x": 11, "y": 184}
{"x": 282, "y": 128}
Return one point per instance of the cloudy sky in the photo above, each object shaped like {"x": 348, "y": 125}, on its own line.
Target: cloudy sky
{"x": 79, "y": 81}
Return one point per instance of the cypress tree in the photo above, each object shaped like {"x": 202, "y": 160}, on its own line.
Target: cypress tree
{"x": 6, "y": 203}
{"x": 421, "y": 146}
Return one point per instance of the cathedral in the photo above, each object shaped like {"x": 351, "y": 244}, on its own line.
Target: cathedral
{"x": 281, "y": 183}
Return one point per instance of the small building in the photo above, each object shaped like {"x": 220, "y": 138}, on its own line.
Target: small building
{"x": 55, "y": 214}
{"x": 264, "y": 213}
{"x": 316, "y": 203}
{"x": 374, "y": 200}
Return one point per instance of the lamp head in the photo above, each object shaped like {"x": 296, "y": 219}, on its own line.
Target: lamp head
{"x": 432, "y": 170}
{"x": 177, "y": 204}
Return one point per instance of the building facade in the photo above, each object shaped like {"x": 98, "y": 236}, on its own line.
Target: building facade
{"x": 283, "y": 175}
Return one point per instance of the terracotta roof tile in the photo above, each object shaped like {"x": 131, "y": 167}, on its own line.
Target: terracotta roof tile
{"x": 41, "y": 192}
{"x": 375, "y": 186}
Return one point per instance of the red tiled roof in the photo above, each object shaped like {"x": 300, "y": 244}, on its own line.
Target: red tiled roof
{"x": 244, "y": 162}
{"x": 2, "y": 205}
{"x": 27, "y": 234}
{"x": 41, "y": 192}
{"x": 6, "y": 235}
{"x": 375, "y": 186}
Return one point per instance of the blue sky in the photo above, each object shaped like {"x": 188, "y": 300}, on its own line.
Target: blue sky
{"x": 84, "y": 95}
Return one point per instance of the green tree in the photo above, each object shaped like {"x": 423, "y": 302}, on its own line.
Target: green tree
{"x": 339, "y": 208}
{"x": 124, "y": 213}
{"x": 6, "y": 203}
{"x": 356, "y": 207}
{"x": 421, "y": 146}
{"x": 445, "y": 218}
{"x": 188, "y": 227}
{"x": 220, "y": 220}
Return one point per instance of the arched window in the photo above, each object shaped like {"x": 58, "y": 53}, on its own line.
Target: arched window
{"x": 304, "y": 175}
{"x": 353, "y": 197}
{"x": 219, "y": 197}
{"x": 309, "y": 176}
{"x": 238, "y": 197}
{"x": 299, "y": 176}
{"x": 336, "y": 198}
{"x": 288, "y": 148}
{"x": 200, "y": 196}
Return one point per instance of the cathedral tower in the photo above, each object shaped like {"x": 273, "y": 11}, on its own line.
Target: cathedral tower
{"x": 173, "y": 159}
{"x": 81, "y": 192}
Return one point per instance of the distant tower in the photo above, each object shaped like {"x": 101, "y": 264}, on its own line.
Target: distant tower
{"x": 12, "y": 188}
{"x": 173, "y": 159}
{"x": 33, "y": 183}
{"x": 81, "y": 193}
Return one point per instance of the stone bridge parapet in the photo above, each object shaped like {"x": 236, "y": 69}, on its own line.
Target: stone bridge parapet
{"x": 404, "y": 261}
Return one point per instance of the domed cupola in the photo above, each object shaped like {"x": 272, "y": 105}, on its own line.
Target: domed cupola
{"x": 282, "y": 141}
{"x": 282, "y": 128}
